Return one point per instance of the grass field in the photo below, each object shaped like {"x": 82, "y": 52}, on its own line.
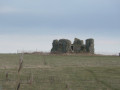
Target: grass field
{"x": 60, "y": 72}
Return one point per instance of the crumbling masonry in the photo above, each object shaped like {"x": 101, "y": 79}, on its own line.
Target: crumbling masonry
{"x": 78, "y": 46}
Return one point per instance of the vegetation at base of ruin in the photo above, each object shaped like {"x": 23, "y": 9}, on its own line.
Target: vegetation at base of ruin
{"x": 60, "y": 72}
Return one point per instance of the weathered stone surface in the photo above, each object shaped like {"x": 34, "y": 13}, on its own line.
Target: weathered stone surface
{"x": 78, "y": 46}
{"x": 83, "y": 48}
{"x": 78, "y": 42}
{"x": 55, "y": 45}
{"x": 90, "y": 45}
{"x": 61, "y": 46}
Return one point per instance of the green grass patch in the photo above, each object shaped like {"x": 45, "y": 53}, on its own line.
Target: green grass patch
{"x": 60, "y": 72}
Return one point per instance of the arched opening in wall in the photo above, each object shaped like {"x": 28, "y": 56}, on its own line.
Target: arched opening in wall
{"x": 72, "y": 48}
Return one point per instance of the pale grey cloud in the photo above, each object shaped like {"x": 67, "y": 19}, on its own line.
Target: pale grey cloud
{"x": 6, "y": 9}
{"x": 76, "y": 18}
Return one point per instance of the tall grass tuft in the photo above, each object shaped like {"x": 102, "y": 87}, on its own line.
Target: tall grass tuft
{"x": 67, "y": 86}
{"x": 44, "y": 60}
{"x": 20, "y": 67}
{"x": 18, "y": 87}
{"x": 20, "y": 63}
{"x": 6, "y": 75}
{"x": 30, "y": 79}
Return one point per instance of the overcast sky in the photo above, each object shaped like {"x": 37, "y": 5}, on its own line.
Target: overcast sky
{"x": 32, "y": 24}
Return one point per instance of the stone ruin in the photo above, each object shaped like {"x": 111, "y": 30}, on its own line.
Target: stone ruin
{"x": 78, "y": 46}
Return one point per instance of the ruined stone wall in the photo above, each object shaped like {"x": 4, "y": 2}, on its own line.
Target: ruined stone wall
{"x": 78, "y": 46}
{"x": 90, "y": 45}
{"x": 55, "y": 45}
{"x": 61, "y": 46}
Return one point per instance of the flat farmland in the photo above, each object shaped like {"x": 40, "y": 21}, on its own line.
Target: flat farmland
{"x": 59, "y": 72}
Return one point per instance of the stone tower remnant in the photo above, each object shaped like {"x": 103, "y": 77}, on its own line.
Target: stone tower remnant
{"x": 78, "y": 46}
{"x": 90, "y": 45}
{"x": 61, "y": 46}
